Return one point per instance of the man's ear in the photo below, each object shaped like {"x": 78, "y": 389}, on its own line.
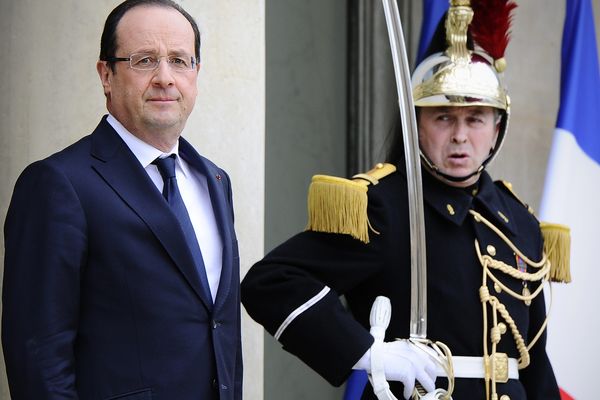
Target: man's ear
{"x": 497, "y": 129}
{"x": 105, "y": 74}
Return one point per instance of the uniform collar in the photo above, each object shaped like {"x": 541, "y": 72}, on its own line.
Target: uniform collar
{"x": 454, "y": 203}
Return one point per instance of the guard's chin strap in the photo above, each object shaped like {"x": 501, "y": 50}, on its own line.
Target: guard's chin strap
{"x": 434, "y": 168}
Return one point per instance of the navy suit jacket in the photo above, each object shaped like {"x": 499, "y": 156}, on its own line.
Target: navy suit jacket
{"x": 101, "y": 298}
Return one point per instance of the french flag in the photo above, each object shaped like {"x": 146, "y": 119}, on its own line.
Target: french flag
{"x": 572, "y": 197}
{"x": 433, "y": 11}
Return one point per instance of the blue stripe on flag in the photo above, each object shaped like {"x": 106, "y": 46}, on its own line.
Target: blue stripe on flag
{"x": 433, "y": 11}
{"x": 579, "y": 111}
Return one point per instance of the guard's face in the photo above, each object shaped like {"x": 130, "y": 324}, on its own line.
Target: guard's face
{"x": 458, "y": 139}
{"x": 153, "y": 104}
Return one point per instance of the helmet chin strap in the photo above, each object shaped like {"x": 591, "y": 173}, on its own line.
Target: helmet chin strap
{"x": 434, "y": 168}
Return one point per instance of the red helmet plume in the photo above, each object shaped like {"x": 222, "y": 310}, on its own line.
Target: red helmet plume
{"x": 490, "y": 28}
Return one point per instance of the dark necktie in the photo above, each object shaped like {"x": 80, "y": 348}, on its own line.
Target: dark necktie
{"x": 166, "y": 167}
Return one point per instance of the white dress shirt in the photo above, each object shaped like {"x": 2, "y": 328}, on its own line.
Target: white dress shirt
{"x": 195, "y": 194}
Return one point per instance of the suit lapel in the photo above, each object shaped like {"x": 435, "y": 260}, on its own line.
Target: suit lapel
{"x": 119, "y": 168}
{"x": 222, "y": 211}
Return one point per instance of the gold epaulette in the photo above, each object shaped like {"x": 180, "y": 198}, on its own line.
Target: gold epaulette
{"x": 557, "y": 244}
{"x": 339, "y": 205}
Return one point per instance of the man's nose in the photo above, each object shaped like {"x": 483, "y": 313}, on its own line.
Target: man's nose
{"x": 163, "y": 75}
{"x": 459, "y": 133}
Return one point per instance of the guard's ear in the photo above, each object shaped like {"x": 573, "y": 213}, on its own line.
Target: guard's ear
{"x": 498, "y": 118}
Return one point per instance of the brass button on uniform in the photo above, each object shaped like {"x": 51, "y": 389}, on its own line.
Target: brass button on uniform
{"x": 491, "y": 250}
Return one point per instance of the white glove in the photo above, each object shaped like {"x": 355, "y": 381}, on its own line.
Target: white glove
{"x": 394, "y": 361}
{"x": 403, "y": 362}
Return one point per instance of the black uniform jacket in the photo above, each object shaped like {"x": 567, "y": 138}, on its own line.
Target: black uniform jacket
{"x": 289, "y": 286}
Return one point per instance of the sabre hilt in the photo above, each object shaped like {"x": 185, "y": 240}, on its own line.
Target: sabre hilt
{"x": 381, "y": 313}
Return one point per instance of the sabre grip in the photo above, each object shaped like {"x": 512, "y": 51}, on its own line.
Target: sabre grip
{"x": 381, "y": 313}
{"x": 380, "y": 316}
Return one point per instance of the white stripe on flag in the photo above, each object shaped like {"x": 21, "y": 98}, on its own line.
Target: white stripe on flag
{"x": 572, "y": 197}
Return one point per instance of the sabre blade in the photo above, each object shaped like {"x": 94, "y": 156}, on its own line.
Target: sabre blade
{"x": 418, "y": 306}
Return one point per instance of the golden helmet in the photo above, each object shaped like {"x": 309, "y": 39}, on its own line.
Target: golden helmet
{"x": 460, "y": 76}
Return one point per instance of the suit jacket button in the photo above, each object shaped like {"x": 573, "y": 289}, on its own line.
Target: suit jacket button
{"x": 215, "y": 385}
{"x": 216, "y": 324}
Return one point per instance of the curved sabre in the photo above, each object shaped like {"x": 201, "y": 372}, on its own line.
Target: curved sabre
{"x": 418, "y": 306}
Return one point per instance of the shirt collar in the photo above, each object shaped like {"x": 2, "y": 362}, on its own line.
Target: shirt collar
{"x": 144, "y": 152}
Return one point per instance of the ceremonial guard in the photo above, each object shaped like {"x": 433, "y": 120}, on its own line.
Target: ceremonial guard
{"x": 488, "y": 257}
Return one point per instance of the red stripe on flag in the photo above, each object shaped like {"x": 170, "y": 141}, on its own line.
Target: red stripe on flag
{"x": 565, "y": 396}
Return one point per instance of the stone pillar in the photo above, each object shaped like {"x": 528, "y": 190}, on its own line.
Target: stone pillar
{"x": 533, "y": 80}
{"x": 51, "y": 96}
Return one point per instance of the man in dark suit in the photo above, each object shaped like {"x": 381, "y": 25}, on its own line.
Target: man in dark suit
{"x": 121, "y": 266}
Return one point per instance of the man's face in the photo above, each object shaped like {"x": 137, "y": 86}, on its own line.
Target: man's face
{"x": 153, "y": 105}
{"x": 458, "y": 139}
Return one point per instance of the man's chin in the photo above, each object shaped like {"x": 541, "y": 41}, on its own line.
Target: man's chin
{"x": 458, "y": 171}
{"x": 458, "y": 174}
{"x": 165, "y": 122}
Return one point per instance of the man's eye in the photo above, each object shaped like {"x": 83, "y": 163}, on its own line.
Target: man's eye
{"x": 148, "y": 60}
{"x": 179, "y": 62}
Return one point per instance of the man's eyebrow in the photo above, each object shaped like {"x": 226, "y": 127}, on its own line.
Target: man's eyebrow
{"x": 477, "y": 111}
{"x": 179, "y": 52}
{"x": 152, "y": 50}
{"x": 143, "y": 50}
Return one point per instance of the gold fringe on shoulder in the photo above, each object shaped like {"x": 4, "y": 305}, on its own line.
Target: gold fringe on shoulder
{"x": 338, "y": 205}
{"x": 557, "y": 245}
